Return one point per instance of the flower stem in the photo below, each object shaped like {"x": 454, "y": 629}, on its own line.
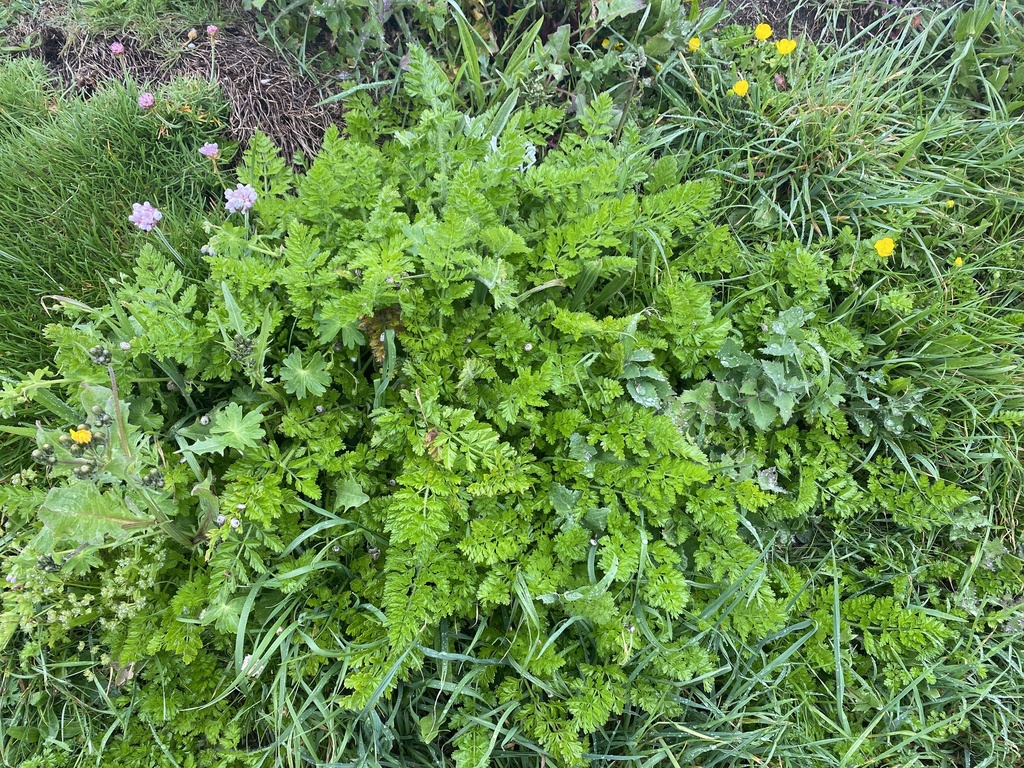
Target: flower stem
{"x": 168, "y": 246}
{"x": 119, "y": 417}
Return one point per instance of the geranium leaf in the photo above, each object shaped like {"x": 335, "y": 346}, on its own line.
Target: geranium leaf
{"x": 302, "y": 379}
{"x": 232, "y": 429}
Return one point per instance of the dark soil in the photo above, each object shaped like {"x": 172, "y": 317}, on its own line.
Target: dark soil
{"x": 264, "y": 93}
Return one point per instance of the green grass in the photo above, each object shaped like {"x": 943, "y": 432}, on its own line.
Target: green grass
{"x": 70, "y": 170}
{"x": 859, "y": 133}
{"x": 25, "y": 97}
{"x": 147, "y": 21}
{"x": 874, "y": 136}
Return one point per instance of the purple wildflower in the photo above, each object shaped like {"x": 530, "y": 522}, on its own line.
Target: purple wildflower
{"x": 117, "y": 49}
{"x": 212, "y": 30}
{"x": 144, "y": 216}
{"x": 146, "y": 100}
{"x": 11, "y": 579}
{"x": 210, "y": 150}
{"x": 208, "y": 250}
{"x": 241, "y": 199}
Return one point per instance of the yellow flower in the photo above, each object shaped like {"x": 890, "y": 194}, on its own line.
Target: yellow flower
{"x": 741, "y": 88}
{"x": 81, "y": 436}
{"x": 785, "y": 46}
{"x": 958, "y": 262}
{"x": 763, "y": 31}
{"x": 885, "y": 247}
{"x": 657, "y": 67}
{"x": 694, "y": 44}
{"x": 619, "y": 46}
{"x": 950, "y": 203}
{"x": 605, "y": 43}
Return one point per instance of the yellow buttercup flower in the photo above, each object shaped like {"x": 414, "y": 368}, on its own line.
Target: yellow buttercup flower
{"x": 785, "y": 46}
{"x": 885, "y": 247}
{"x": 694, "y": 44}
{"x": 950, "y": 203}
{"x": 81, "y": 436}
{"x": 763, "y": 31}
{"x": 605, "y": 43}
{"x": 741, "y": 88}
{"x": 958, "y": 262}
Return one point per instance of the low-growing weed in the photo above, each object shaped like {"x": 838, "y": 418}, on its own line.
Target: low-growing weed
{"x": 479, "y": 447}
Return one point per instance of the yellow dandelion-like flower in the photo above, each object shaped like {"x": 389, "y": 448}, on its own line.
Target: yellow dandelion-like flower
{"x": 763, "y": 31}
{"x": 741, "y": 88}
{"x": 885, "y": 247}
{"x": 81, "y": 436}
{"x": 605, "y": 43}
{"x": 950, "y": 203}
{"x": 694, "y": 44}
{"x": 785, "y": 46}
{"x": 958, "y": 262}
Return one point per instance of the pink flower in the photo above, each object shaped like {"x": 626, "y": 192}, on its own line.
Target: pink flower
{"x": 117, "y": 49}
{"x": 210, "y": 150}
{"x": 241, "y": 199}
{"x": 146, "y": 100}
{"x": 144, "y": 216}
{"x": 212, "y": 30}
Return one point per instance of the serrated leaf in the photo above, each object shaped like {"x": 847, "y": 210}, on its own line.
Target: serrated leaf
{"x": 776, "y": 372}
{"x": 81, "y": 513}
{"x": 644, "y": 391}
{"x": 233, "y": 310}
{"x": 750, "y": 386}
{"x": 763, "y": 413}
{"x": 564, "y": 501}
{"x": 640, "y": 355}
{"x": 785, "y": 402}
{"x": 581, "y": 450}
{"x": 232, "y": 429}
{"x": 330, "y": 327}
{"x": 768, "y": 480}
{"x": 224, "y": 615}
{"x": 594, "y": 590}
{"x": 732, "y": 356}
{"x": 425, "y": 79}
{"x": 789, "y": 321}
{"x": 651, "y": 372}
{"x": 609, "y": 10}
{"x": 727, "y": 391}
{"x": 430, "y": 726}
{"x": 350, "y": 495}
{"x": 596, "y": 520}
{"x": 303, "y": 379}
{"x": 781, "y": 348}
{"x": 208, "y": 501}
